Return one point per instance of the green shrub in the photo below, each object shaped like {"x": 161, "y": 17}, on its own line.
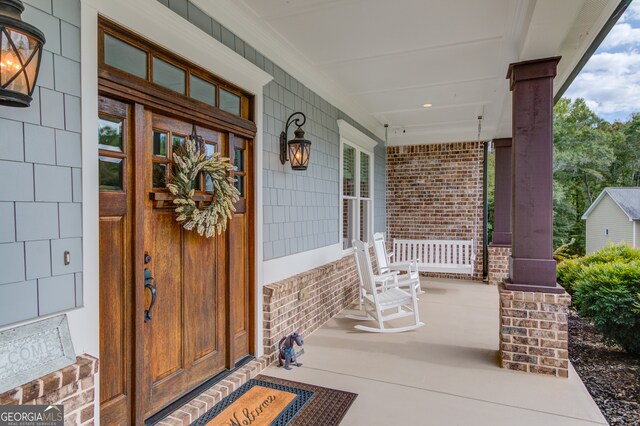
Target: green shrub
{"x": 607, "y": 294}
{"x": 569, "y": 271}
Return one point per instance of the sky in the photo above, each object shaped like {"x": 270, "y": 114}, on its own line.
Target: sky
{"x": 610, "y": 81}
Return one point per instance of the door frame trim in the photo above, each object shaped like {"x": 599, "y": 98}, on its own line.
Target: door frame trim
{"x": 148, "y": 18}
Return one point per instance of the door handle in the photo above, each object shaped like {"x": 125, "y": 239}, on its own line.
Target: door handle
{"x": 147, "y": 285}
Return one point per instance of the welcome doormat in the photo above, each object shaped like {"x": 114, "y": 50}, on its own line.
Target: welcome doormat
{"x": 268, "y": 401}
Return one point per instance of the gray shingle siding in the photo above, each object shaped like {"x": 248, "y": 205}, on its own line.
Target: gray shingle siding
{"x": 301, "y": 209}
{"x": 40, "y": 175}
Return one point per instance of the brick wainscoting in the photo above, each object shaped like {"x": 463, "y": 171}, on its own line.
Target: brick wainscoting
{"x": 498, "y": 263}
{"x": 306, "y": 301}
{"x": 72, "y": 386}
{"x": 432, "y": 194}
{"x": 534, "y": 332}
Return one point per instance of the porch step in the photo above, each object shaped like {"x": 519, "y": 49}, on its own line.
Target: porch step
{"x": 202, "y": 403}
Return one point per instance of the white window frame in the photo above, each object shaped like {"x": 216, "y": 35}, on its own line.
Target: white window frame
{"x": 361, "y": 143}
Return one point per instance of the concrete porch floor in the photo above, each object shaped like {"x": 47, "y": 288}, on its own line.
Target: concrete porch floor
{"x": 445, "y": 373}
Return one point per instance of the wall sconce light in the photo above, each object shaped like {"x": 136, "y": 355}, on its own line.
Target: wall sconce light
{"x": 20, "y": 54}
{"x": 299, "y": 148}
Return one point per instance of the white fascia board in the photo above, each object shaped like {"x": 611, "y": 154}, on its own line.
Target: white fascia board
{"x": 241, "y": 20}
{"x": 352, "y": 134}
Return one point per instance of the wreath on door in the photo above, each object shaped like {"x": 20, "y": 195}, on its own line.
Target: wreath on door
{"x": 189, "y": 161}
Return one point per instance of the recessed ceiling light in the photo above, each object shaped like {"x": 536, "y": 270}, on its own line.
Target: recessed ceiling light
{"x": 427, "y": 105}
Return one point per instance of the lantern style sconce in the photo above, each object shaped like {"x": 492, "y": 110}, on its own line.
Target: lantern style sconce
{"x": 20, "y": 54}
{"x": 299, "y": 148}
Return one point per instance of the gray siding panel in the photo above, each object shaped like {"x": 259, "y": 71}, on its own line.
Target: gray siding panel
{"x": 53, "y": 183}
{"x": 36, "y": 221}
{"x": 39, "y": 144}
{"x": 58, "y": 248}
{"x": 18, "y": 301}
{"x": 7, "y": 223}
{"x": 11, "y": 263}
{"x": 38, "y": 258}
{"x": 56, "y": 294}
{"x": 11, "y": 146}
{"x": 16, "y": 181}
{"x": 43, "y": 176}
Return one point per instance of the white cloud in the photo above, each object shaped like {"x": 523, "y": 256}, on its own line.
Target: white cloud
{"x": 610, "y": 83}
{"x": 632, "y": 12}
{"x": 621, "y": 35}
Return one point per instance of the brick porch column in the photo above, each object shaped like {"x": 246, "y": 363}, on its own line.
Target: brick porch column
{"x": 532, "y": 267}
{"x": 502, "y": 197}
{"x": 533, "y": 307}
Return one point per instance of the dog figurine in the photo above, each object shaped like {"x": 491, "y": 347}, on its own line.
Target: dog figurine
{"x": 286, "y": 352}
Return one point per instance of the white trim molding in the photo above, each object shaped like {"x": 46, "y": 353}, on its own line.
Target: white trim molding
{"x": 285, "y": 267}
{"x": 355, "y": 136}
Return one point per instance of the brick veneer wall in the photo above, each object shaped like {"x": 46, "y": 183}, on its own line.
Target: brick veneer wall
{"x": 534, "y": 332}
{"x": 72, "y": 386}
{"x": 498, "y": 263}
{"x": 330, "y": 289}
{"x": 432, "y": 192}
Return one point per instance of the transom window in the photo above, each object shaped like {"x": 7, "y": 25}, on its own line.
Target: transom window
{"x": 148, "y": 62}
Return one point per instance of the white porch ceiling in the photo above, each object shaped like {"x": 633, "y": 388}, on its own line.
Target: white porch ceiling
{"x": 381, "y": 60}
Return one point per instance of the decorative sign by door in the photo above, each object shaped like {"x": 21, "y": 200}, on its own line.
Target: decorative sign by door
{"x": 34, "y": 350}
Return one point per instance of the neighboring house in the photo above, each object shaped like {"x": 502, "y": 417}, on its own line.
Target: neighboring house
{"x": 613, "y": 218}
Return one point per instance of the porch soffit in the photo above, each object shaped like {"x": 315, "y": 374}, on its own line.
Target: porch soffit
{"x": 380, "y": 61}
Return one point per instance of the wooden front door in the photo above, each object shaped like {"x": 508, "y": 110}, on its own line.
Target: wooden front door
{"x": 200, "y": 321}
{"x": 185, "y": 338}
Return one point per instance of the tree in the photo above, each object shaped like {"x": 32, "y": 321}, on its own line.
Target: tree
{"x": 589, "y": 154}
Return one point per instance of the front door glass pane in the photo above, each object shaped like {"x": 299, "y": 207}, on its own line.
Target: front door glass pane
{"x": 159, "y": 175}
{"x": 124, "y": 56}
{"x": 168, "y": 75}
{"x": 160, "y": 144}
{"x": 110, "y": 171}
{"x": 202, "y": 90}
{"x": 229, "y": 102}
{"x": 238, "y": 159}
{"x": 209, "y": 149}
{"x": 110, "y": 133}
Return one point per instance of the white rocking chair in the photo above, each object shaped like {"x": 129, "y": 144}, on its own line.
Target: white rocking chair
{"x": 382, "y": 293}
{"x": 409, "y": 269}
